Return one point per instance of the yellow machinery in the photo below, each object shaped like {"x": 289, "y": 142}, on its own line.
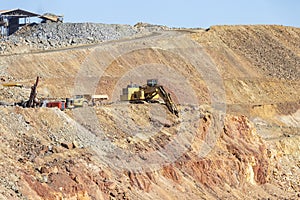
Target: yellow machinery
{"x": 127, "y": 92}
{"x": 150, "y": 93}
{"x": 51, "y": 17}
{"x": 89, "y": 100}
{"x": 12, "y": 85}
{"x": 81, "y": 100}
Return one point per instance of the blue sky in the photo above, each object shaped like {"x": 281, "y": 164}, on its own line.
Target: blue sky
{"x": 173, "y": 13}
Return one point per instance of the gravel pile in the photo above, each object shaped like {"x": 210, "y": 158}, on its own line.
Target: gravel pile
{"x": 58, "y": 35}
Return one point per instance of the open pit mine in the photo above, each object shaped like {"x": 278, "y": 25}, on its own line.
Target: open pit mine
{"x": 98, "y": 111}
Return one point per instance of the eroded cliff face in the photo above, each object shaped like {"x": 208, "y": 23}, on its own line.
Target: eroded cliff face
{"x": 48, "y": 161}
{"x": 237, "y": 136}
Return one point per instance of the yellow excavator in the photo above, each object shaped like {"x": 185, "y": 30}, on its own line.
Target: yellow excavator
{"x": 150, "y": 92}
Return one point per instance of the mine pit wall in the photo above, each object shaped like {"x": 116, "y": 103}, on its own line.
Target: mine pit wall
{"x": 264, "y": 88}
{"x": 60, "y": 72}
{"x": 239, "y": 149}
{"x": 238, "y": 159}
{"x": 245, "y": 155}
{"x": 57, "y": 70}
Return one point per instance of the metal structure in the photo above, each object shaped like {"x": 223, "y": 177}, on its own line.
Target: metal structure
{"x": 32, "y": 102}
{"x": 149, "y": 93}
{"x": 89, "y": 100}
{"x": 11, "y": 20}
{"x": 49, "y": 17}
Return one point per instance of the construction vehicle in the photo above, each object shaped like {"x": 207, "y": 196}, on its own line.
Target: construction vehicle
{"x": 89, "y": 100}
{"x": 62, "y": 104}
{"x": 59, "y": 104}
{"x": 49, "y": 17}
{"x": 12, "y": 84}
{"x": 33, "y": 101}
{"x": 151, "y": 93}
{"x": 77, "y": 101}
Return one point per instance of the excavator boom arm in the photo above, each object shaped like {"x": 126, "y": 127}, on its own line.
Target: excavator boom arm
{"x": 168, "y": 101}
{"x": 151, "y": 91}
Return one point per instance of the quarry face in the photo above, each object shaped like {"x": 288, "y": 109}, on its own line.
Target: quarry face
{"x": 236, "y": 89}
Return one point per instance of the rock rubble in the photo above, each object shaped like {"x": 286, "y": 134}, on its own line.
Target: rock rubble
{"x": 60, "y": 35}
{"x": 47, "y": 153}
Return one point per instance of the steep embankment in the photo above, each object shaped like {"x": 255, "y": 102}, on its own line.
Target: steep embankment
{"x": 261, "y": 68}
{"x": 246, "y": 148}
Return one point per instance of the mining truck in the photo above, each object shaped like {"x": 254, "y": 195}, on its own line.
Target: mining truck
{"x": 89, "y": 100}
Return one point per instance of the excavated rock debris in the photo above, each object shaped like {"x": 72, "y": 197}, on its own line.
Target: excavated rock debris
{"x": 47, "y": 163}
{"x": 50, "y": 154}
{"x": 59, "y": 35}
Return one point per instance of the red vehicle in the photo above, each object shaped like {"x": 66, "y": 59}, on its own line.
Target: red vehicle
{"x": 59, "y": 104}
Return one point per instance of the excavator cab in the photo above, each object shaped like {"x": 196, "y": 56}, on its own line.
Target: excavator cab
{"x": 152, "y": 82}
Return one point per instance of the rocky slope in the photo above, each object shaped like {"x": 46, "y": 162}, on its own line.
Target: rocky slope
{"x": 237, "y": 89}
{"x": 61, "y": 35}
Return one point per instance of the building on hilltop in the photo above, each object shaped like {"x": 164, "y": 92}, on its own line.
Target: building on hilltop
{"x": 12, "y": 20}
